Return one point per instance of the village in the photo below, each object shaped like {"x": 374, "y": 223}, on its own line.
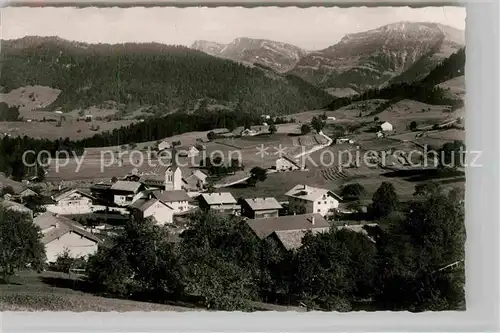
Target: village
{"x": 78, "y": 219}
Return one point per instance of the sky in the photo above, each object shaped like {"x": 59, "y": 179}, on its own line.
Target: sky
{"x": 312, "y": 28}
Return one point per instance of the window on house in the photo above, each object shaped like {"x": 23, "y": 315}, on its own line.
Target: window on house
{"x": 319, "y": 210}
{"x": 325, "y": 202}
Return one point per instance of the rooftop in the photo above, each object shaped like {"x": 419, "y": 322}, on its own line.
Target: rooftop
{"x": 218, "y": 198}
{"x": 15, "y": 206}
{"x": 124, "y": 185}
{"x": 292, "y": 239}
{"x": 266, "y": 226}
{"x": 310, "y": 193}
{"x": 263, "y": 203}
{"x": 172, "y": 196}
{"x": 54, "y": 226}
{"x": 144, "y": 204}
{"x": 67, "y": 192}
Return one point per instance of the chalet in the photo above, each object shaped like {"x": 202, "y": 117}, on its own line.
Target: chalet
{"x": 60, "y": 234}
{"x": 257, "y": 208}
{"x": 289, "y": 230}
{"x": 125, "y": 192}
{"x": 19, "y": 190}
{"x": 315, "y": 200}
{"x": 70, "y": 202}
{"x": 287, "y": 164}
{"x": 223, "y": 202}
{"x": 156, "y": 209}
{"x": 386, "y": 127}
{"x": 195, "y": 181}
{"x": 13, "y": 206}
{"x": 164, "y": 145}
{"x": 178, "y": 200}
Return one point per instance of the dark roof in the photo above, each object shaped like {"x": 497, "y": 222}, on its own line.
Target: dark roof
{"x": 266, "y": 226}
{"x": 171, "y": 196}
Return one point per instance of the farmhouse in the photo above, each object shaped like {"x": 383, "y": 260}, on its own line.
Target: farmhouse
{"x": 164, "y": 145}
{"x": 287, "y": 164}
{"x": 178, "y": 200}
{"x": 195, "y": 181}
{"x": 125, "y": 192}
{"x": 331, "y": 118}
{"x": 70, "y": 202}
{"x": 60, "y": 234}
{"x": 289, "y": 230}
{"x": 386, "y": 127}
{"x": 20, "y": 190}
{"x": 223, "y": 202}
{"x": 156, "y": 209}
{"x": 315, "y": 200}
{"x": 260, "y": 208}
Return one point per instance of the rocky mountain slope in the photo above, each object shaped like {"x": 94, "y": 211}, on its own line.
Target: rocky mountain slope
{"x": 278, "y": 56}
{"x": 169, "y": 77}
{"x": 399, "y": 52}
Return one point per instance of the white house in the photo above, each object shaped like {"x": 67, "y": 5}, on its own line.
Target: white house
{"x": 386, "y": 127}
{"x": 331, "y": 118}
{"x": 286, "y": 164}
{"x": 315, "y": 200}
{"x": 380, "y": 134}
{"x": 164, "y": 145}
{"x": 178, "y": 200}
{"x": 70, "y": 202}
{"x": 60, "y": 234}
{"x": 156, "y": 209}
{"x": 249, "y": 132}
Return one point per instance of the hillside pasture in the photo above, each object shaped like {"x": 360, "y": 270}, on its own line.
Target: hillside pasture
{"x": 68, "y": 129}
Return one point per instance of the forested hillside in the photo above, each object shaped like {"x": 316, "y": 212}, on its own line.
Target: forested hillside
{"x": 424, "y": 90}
{"x": 148, "y": 74}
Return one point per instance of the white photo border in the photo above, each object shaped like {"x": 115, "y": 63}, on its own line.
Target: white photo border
{"x": 482, "y": 213}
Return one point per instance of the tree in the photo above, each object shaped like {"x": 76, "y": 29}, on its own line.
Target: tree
{"x": 413, "y": 125}
{"x": 430, "y": 236}
{"x": 257, "y": 174}
{"x": 452, "y": 155}
{"x": 305, "y": 129}
{"x": 317, "y": 124}
{"x": 221, "y": 257}
{"x": 211, "y": 135}
{"x": 323, "y": 116}
{"x": 352, "y": 191}
{"x": 20, "y": 243}
{"x": 7, "y": 190}
{"x": 376, "y": 119}
{"x": 295, "y": 207}
{"x": 385, "y": 201}
{"x": 272, "y": 129}
{"x": 141, "y": 258}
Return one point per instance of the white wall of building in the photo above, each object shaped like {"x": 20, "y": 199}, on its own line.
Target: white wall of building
{"x": 71, "y": 206}
{"x": 161, "y": 213}
{"x": 77, "y": 245}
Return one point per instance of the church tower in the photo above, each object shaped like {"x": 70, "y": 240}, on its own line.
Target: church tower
{"x": 173, "y": 175}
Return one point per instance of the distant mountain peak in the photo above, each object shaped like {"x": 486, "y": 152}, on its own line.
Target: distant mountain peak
{"x": 278, "y": 56}
{"x": 369, "y": 59}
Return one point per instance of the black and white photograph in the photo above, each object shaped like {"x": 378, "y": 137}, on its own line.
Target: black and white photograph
{"x": 233, "y": 159}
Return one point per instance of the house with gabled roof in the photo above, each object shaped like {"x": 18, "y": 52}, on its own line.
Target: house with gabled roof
{"x": 20, "y": 190}
{"x": 223, "y": 202}
{"x": 153, "y": 208}
{"x": 60, "y": 234}
{"x": 125, "y": 192}
{"x": 179, "y": 200}
{"x": 70, "y": 201}
{"x": 314, "y": 199}
{"x": 255, "y": 208}
{"x": 289, "y": 230}
{"x": 285, "y": 163}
